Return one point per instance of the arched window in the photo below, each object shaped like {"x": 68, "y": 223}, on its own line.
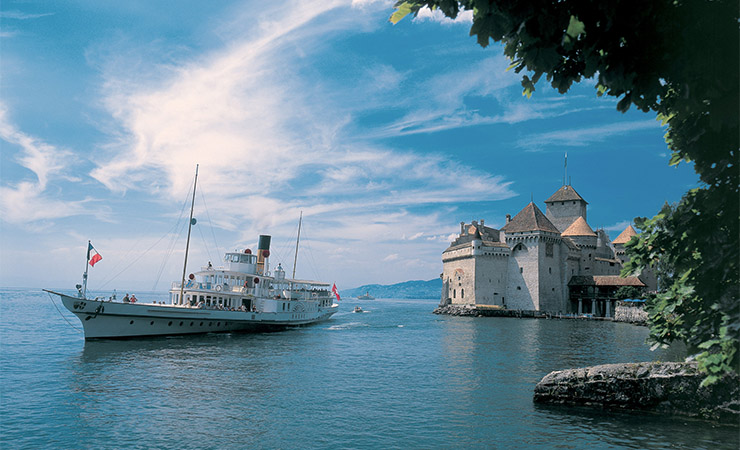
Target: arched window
{"x": 519, "y": 247}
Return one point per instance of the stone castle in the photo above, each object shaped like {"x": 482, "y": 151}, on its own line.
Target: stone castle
{"x": 551, "y": 262}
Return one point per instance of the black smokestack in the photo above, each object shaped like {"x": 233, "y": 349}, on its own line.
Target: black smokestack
{"x": 263, "y": 252}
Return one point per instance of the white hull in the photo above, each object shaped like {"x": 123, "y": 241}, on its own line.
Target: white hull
{"x": 101, "y": 319}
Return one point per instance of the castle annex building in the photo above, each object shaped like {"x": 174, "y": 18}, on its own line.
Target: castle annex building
{"x": 550, "y": 262}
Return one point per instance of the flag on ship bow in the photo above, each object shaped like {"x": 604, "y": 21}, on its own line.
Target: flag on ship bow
{"x": 92, "y": 255}
{"x": 335, "y": 291}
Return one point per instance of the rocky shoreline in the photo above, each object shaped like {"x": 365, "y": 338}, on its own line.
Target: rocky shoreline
{"x": 667, "y": 388}
{"x": 483, "y": 311}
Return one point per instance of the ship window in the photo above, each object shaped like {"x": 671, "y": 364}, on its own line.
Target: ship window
{"x": 131, "y": 323}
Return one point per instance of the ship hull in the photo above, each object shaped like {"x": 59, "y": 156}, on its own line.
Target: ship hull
{"x": 113, "y": 320}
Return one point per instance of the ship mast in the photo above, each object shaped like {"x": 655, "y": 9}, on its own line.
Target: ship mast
{"x": 187, "y": 245}
{"x": 295, "y": 260}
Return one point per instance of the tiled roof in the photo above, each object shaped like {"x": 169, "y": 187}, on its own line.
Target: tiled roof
{"x": 625, "y": 236}
{"x": 564, "y": 194}
{"x": 530, "y": 219}
{"x": 604, "y": 280}
{"x": 579, "y": 227}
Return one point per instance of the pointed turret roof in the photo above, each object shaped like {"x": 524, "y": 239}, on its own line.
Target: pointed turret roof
{"x": 579, "y": 227}
{"x": 530, "y": 219}
{"x": 625, "y": 236}
{"x": 564, "y": 194}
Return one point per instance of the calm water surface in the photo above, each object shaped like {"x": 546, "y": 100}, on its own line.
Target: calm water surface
{"x": 395, "y": 376}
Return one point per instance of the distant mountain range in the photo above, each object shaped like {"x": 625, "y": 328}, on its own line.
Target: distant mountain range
{"x": 407, "y": 289}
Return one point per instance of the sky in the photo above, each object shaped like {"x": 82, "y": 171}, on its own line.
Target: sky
{"x": 384, "y": 137}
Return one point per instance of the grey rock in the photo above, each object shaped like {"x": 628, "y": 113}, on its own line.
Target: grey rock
{"x": 669, "y": 388}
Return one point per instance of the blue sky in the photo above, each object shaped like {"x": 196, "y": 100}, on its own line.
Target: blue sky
{"x": 386, "y": 137}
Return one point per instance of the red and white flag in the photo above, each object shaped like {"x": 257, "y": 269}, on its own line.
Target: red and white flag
{"x": 92, "y": 255}
{"x": 335, "y": 291}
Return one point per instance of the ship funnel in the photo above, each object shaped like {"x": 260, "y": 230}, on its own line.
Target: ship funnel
{"x": 263, "y": 252}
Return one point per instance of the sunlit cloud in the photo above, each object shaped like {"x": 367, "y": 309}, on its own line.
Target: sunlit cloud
{"x": 583, "y": 137}
{"x": 19, "y": 15}
{"x": 426, "y": 14}
{"x": 268, "y": 146}
{"x": 30, "y": 200}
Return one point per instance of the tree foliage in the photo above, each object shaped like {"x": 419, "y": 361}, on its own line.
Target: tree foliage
{"x": 629, "y": 292}
{"x": 678, "y": 59}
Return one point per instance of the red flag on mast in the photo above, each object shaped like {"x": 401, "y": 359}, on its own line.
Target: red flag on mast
{"x": 95, "y": 255}
{"x": 335, "y": 291}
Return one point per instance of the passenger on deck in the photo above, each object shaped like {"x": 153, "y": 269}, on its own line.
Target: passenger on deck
{"x": 133, "y": 298}
{"x": 125, "y": 298}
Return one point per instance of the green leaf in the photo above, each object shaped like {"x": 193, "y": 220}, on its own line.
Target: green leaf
{"x": 575, "y": 27}
{"x": 403, "y": 10}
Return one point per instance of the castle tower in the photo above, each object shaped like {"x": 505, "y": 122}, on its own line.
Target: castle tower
{"x": 622, "y": 239}
{"x": 536, "y": 262}
{"x": 586, "y": 239}
{"x": 564, "y": 207}
{"x": 474, "y": 267}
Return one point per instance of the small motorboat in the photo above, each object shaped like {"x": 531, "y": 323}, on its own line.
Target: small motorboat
{"x": 357, "y": 309}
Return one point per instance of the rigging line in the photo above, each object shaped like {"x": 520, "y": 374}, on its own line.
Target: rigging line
{"x": 168, "y": 254}
{"x": 60, "y": 313}
{"x": 210, "y": 222}
{"x": 310, "y": 256}
{"x": 313, "y": 261}
{"x": 169, "y": 232}
{"x": 205, "y": 244}
{"x": 284, "y": 252}
{"x": 174, "y": 233}
{"x": 137, "y": 259}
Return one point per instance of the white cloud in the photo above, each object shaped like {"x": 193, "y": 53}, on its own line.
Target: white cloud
{"x": 30, "y": 201}
{"x": 269, "y": 144}
{"x": 20, "y": 15}
{"x": 426, "y": 14}
{"x": 583, "y": 137}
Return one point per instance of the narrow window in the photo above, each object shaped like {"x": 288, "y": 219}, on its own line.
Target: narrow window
{"x": 462, "y": 293}
{"x": 521, "y": 270}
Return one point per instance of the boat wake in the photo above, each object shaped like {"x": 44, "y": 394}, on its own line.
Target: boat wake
{"x": 347, "y": 326}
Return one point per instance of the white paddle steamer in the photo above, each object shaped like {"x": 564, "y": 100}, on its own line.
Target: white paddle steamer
{"x": 241, "y": 295}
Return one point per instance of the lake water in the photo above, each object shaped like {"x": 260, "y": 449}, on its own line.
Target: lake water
{"x": 396, "y": 376}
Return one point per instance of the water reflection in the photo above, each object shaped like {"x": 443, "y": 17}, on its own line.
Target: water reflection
{"x": 631, "y": 429}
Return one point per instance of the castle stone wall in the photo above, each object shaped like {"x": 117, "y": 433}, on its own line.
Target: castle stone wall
{"x": 523, "y": 287}
{"x": 491, "y": 277}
